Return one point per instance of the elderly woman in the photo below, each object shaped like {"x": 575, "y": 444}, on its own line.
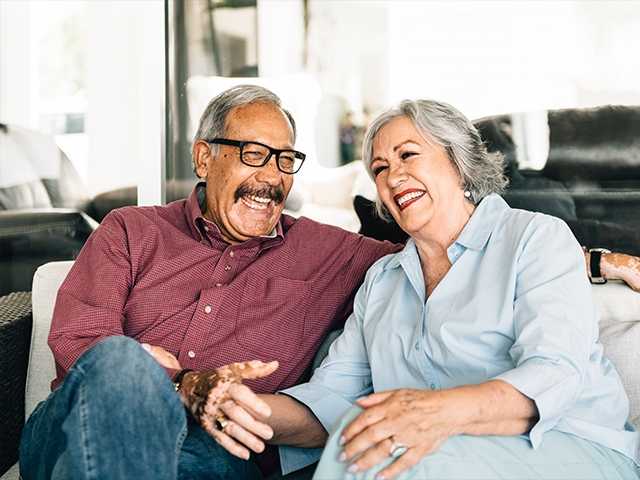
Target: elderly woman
{"x": 479, "y": 339}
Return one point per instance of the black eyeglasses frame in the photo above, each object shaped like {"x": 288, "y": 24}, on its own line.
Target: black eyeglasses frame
{"x": 272, "y": 151}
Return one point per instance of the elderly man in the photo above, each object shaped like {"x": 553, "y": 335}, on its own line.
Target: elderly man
{"x": 201, "y": 283}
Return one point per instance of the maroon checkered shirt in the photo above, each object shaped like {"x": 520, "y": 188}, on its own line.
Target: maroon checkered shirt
{"x": 164, "y": 276}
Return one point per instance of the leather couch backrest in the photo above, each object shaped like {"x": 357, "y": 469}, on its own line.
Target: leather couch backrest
{"x": 595, "y": 146}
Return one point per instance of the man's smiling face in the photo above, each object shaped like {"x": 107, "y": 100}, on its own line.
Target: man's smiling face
{"x": 244, "y": 201}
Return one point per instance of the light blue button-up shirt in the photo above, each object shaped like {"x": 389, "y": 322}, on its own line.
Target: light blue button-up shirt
{"x": 516, "y": 305}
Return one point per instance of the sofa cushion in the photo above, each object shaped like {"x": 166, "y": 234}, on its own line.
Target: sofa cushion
{"x": 619, "y": 309}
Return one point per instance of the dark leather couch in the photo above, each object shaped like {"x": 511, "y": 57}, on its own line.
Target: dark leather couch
{"x": 591, "y": 178}
{"x": 46, "y": 212}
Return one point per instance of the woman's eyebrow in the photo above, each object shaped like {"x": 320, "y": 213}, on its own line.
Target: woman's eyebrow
{"x": 404, "y": 143}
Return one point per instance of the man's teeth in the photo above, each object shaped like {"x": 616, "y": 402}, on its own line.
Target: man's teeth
{"x": 259, "y": 199}
{"x": 255, "y": 202}
{"x": 409, "y": 196}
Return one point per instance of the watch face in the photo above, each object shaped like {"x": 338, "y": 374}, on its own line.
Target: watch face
{"x": 598, "y": 280}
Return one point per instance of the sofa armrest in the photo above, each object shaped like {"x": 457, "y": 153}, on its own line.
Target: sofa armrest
{"x": 15, "y": 337}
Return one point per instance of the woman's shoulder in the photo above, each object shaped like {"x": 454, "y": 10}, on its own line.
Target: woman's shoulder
{"x": 528, "y": 222}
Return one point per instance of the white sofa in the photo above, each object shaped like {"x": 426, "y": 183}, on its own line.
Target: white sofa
{"x": 618, "y": 305}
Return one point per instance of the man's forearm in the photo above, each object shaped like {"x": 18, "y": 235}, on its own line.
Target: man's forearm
{"x": 293, "y": 423}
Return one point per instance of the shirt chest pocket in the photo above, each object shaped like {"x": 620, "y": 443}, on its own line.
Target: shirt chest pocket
{"x": 271, "y": 318}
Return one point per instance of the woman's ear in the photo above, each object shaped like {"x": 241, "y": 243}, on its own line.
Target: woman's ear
{"x": 201, "y": 158}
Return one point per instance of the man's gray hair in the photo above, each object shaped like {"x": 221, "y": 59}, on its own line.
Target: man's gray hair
{"x": 481, "y": 172}
{"x": 213, "y": 120}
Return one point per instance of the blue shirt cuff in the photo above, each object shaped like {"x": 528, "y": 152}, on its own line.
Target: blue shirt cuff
{"x": 295, "y": 458}
{"x": 328, "y": 407}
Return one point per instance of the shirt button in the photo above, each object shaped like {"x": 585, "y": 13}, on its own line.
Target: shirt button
{"x": 191, "y": 354}
{"x": 218, "y": 284}
{"x": 231, "y": 254}
{"x": 227, "y": 268}
{"x": 433, "y": 386}
{"x": 207, "y": 309}
{"x": 417, "y": 346}
{"x": 206, "y": 228}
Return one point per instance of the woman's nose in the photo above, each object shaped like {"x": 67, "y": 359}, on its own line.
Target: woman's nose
{"x": 397, "y": 175}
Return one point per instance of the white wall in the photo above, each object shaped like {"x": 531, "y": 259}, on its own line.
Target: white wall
{"x": 125, "y": 88}
{"x": 15, "y": 64}
{"x": 485, "y": 57}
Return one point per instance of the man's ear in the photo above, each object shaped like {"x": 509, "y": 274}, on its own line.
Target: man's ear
{"x": 201, "y": 158}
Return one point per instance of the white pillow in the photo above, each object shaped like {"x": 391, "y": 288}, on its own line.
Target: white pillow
{"x": 619, "y": 308}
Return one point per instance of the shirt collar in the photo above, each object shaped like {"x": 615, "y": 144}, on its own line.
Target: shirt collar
{"x": 194, "y": 208}
{"x": 478, "y": 229}
{"x": 475, "y": 233}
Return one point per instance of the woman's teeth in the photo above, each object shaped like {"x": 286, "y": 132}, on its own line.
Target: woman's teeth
{"x": 409, "y": 196}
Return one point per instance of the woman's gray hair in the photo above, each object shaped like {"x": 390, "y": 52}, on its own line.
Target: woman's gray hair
{"x": 481, "y": 172}
{"x": 213, "y": 120}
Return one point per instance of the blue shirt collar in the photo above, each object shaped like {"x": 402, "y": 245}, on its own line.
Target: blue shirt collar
{"x": 474, "y": 235}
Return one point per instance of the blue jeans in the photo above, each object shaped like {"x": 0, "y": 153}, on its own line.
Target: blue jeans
{"x": 117, "y": 416}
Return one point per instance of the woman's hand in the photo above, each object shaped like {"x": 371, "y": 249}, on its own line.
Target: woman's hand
{"x": 418, "y": 420}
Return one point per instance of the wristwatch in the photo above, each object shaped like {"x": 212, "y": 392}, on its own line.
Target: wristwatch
{"x": 177, "y": 380}
{"x": 595, "y": 275}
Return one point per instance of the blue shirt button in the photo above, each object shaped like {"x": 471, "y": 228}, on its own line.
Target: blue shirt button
{"x": 417, "y": 346}
{"x": 433, "y": 386}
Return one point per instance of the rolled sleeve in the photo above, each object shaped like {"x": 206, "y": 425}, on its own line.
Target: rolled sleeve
{"x": 544, "y": 384}
{"x": 554, "y": 324}
{"x": 328, "y": 407}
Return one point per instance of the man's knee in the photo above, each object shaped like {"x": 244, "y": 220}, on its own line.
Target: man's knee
{"x": 120, "y": 361}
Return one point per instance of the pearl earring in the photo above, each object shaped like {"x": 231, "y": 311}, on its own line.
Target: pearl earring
{"x": 467, "y": 194}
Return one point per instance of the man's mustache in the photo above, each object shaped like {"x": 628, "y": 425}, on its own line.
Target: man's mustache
{"x": 275, "y": 193}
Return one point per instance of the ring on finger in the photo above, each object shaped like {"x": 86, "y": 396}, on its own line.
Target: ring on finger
{"x": 397, "y": 449}
{"x": 221, "y": 422}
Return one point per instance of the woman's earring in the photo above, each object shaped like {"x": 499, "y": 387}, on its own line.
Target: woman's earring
{"x": 467, "y": 194}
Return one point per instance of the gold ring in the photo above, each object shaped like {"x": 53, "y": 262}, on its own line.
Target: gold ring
{"x": 221, "y": 422}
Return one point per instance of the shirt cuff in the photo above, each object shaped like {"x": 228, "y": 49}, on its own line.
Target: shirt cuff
{"x": 552, "y": 388}
{"x": 328, "y": 407}
{"x": 296, "y": 458}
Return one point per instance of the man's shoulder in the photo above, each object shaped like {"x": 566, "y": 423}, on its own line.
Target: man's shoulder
{"x": 147, "y": 214}
{"x": 146, "y": 221}
{"x": 314, "y": 232}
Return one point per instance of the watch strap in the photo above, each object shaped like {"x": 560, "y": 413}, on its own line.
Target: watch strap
{"x": 595, "y": 273}
{"x": 177, "y": 380}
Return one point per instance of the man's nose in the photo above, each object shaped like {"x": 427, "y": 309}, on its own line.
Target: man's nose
{"x": 269, "y": 173}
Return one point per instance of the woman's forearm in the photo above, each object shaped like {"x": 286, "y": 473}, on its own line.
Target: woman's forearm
{"x": 293, "y": 423}
{"x": 493, "y": 408}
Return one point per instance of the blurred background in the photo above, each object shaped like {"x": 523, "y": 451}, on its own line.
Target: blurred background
{"x": 120, "y": 84}
{"x": 99, "y": 101}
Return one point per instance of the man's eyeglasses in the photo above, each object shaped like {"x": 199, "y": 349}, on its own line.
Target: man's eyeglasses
{"x": 257, "y": 154}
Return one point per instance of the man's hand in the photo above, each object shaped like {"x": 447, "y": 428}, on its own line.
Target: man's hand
{"x": 228, "y": 410}
{"x": 620, "y": 266}
{"x": 164, "y": 358}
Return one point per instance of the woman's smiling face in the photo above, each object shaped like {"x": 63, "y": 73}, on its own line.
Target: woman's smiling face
{"x": 415, "y": 179}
